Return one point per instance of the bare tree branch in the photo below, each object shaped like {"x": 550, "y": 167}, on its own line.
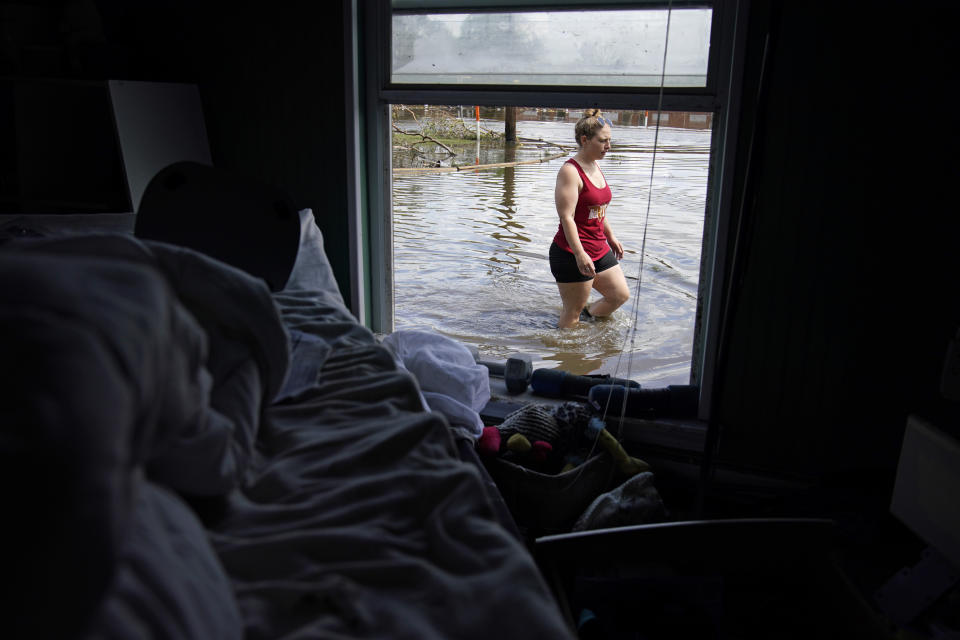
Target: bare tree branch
{"x": 425, "y": 137}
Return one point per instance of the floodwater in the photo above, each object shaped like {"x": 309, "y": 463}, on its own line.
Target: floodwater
{"x": 471, "y": 254}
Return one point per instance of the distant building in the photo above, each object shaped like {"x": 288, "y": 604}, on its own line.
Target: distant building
{"x": 634, "y": 118}
{"x": 680, "y": 119}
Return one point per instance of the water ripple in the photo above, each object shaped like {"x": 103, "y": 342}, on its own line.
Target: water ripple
{"x": 470, "y": 256}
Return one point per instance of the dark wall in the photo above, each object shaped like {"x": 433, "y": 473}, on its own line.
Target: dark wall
{"x": 272, "y": 88}
{"x": 271, "y": 77}
{"x": 847, "y": 294}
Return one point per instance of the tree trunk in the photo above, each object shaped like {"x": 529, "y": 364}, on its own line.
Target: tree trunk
{"x": 510, "y": 124}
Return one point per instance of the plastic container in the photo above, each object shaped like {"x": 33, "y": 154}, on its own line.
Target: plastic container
{"x": 543, "y": 504}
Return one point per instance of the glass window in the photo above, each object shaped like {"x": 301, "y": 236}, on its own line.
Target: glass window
{"x": 613, "y": 48}
{"x": 469, "y": 52}
{"x": 473, "y": 221}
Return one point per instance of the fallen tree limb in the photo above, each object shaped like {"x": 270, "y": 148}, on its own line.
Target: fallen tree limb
{"x": 425, "y": 137}
{"x": 468, "y": 167}
{"x": 541, "y": 140}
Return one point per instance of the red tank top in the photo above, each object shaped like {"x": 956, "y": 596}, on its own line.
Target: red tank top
{"x": 588, "y": 216}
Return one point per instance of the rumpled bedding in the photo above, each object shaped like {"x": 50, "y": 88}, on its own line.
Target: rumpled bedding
{"x": 104, "y": 377}
{"x": 191, "y": 457}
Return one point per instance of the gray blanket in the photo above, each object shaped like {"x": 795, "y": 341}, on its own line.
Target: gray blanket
{"x": 242, "y": 465}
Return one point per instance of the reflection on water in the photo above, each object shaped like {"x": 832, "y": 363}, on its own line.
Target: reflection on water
{"x": 471, "y": 255}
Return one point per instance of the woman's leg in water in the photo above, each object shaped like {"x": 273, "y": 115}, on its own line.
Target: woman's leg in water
{"x": 612, "y": 285}
{"x": 574, "y": 296}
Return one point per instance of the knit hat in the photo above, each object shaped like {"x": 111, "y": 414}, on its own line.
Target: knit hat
{"x": 535, "y": 421}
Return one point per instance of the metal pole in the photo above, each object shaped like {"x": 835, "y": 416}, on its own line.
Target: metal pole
{"x": 477, "y": 110}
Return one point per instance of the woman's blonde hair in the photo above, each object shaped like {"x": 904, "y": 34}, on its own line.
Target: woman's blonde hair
{"x": 589, "y": 123}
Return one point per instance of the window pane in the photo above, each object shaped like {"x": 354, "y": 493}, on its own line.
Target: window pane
{"x": 473, "y": 223}
{"x": 567, "y": 48}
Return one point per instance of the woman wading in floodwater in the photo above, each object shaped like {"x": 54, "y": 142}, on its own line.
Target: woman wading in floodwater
{"x": 585, "y": 252}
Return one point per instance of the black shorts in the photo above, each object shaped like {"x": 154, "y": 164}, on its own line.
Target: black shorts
{"x": 563, "y": 264}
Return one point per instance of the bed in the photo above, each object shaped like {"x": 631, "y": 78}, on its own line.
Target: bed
{"x": 192, "y": 451}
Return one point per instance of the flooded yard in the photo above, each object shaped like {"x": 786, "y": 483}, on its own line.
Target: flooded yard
{"x": 470, "y": 253}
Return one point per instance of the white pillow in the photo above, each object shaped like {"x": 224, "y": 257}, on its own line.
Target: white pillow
{"x": 312, "y": 271}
